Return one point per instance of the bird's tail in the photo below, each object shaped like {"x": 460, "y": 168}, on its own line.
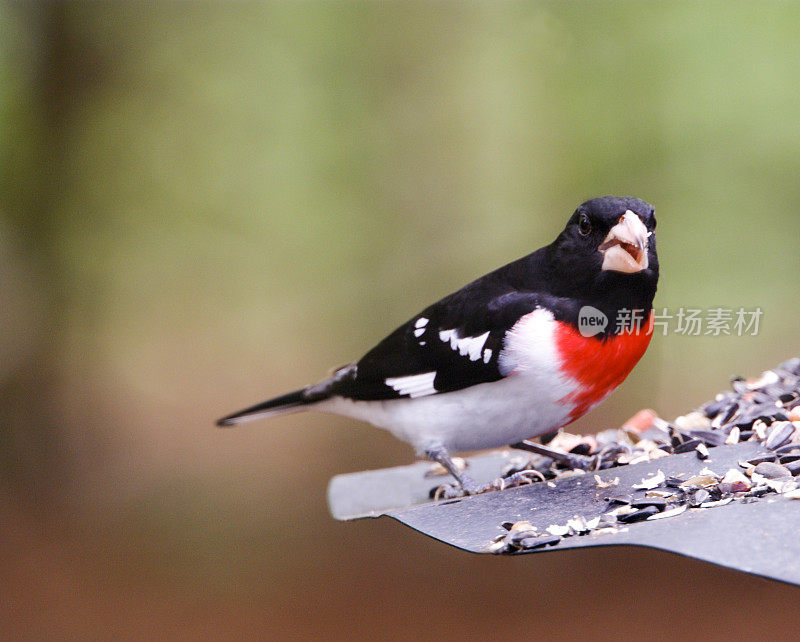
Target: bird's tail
{"x": 294, "y": 401}
{"x": 291, "y": 402}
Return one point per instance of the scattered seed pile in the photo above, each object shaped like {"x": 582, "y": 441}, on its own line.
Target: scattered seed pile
{"x": 765, "y": 410}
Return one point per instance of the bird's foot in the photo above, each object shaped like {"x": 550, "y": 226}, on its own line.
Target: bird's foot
{"x": 466, "y": 486}
{"x": 570, "y": 460}
{"x": 470, "y": 487}
{"x": 520, "y": 478}
{"x": 580, "y": 462}
{"x": 447, "y": 491}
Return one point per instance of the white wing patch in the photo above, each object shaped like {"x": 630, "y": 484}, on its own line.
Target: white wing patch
{"x": 421, "y": 322}
{"x": 414, "y": 385}
{"x": 487, "y": 354}
{"x": 467, "y": 346}
{"x": 419, "y": 332}
{"x": 472, "y": 346}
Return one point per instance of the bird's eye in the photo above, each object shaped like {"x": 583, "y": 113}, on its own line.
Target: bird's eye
{"x": 584, "y": 225}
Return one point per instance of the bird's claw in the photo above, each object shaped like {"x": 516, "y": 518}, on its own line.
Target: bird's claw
{"x": 581, "y": 462}
{"x": 448, "y": 491}
{"x": 521, "y": 478}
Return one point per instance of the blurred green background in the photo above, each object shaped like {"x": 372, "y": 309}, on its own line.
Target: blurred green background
{"x": 203, "y": 205}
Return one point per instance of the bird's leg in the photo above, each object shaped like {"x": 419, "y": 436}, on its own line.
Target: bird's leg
{"x": 468, "y": 485}
{"x": 440, "y": 455}
{"x": 572, "y": 460}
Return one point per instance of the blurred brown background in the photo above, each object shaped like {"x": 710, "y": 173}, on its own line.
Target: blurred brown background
{"x": 202, "y": 205}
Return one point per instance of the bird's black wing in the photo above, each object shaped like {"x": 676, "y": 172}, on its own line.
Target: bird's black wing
{"x": 453, "y": 344}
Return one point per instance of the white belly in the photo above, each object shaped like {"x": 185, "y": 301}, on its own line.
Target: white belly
{"x": 488, "y": 415}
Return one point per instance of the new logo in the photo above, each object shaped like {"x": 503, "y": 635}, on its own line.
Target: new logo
{"x": 591, "y": 321}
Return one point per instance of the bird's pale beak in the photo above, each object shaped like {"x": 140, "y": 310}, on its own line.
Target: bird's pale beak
{"x": 625, "y": 247}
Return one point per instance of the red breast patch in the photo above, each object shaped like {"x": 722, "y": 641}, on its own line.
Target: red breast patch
{"x": 598, "y": 365}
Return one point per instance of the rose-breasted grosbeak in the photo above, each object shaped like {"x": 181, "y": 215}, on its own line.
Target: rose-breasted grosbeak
{"x": 507, "y": 357}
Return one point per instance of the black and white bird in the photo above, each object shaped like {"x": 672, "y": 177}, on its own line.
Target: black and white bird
{"x": 507, "y": 357}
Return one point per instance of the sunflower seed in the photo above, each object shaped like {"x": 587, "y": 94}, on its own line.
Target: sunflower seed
{"x": 664, "y": 493}
{"x": 727, "y": 416}
{"x": 606, "y": 519}
{"x": 699, "y": 481}
{"x": 709, "y": 437}
{"x": 699, "y": 496}
{"x": 559, "y": 530}
{"x": 771, "y": 470}
{"x": 659, "y": 502}
{"x": 779, "y": 434}
{"x": 638, "y": 515}
{"x": 739, "y": 385}
{"x": 734, "y": 482}
{"x": 676, "y": 436}
{"x": 669, "y": 513}
{"x": 522, "y": 525}
{"x": 793, "y": 467}
{"x": 674, "y": 481}
{"x": 715, "y": 407}
{"x": 619, "y": 510}
{"x": 692, "y": 421}
{"x": 497, "y": 547}
{"x": 530, "y": 543}
{"x": 766, "y": 457}
{"x": 687, "y": 446}
{"x": 733, "y": 436}
{"x": 516, "y": 537}
{"x": 791, "y": 365}
{"x": 656, "y": 435}
{"x": 651, "y": 482}
{"x": 768, "y": 377}
{"x": 578, "y": 524}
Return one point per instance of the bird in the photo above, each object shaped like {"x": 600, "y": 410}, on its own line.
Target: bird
{"x": 517, "y": 353}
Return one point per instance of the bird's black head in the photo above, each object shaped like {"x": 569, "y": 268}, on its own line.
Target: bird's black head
{"x": 606, "y": 255}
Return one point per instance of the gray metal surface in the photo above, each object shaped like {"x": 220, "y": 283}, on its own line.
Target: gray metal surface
{"x": 760, "y": 536}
